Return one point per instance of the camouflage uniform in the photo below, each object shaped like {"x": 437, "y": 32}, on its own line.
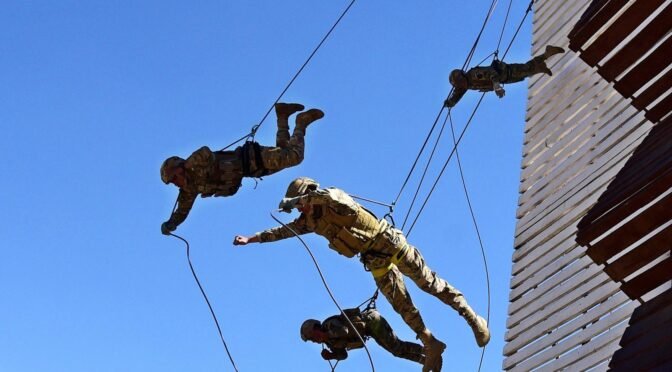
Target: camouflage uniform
{"x": 369, "y": 323}
{"x": 486, "y": 79}
{"x": 351, "y": 229}
{"x": 220, "y": 173}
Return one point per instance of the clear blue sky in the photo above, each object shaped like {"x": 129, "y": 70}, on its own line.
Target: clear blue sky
{"x": 95, "y": 94}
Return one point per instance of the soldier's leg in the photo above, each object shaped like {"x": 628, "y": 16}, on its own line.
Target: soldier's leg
{"x": 379, "y": 329}
{"x": 392, "y": 286}
{"x": 413, "y": 265}
{"x": 283, "y": 111}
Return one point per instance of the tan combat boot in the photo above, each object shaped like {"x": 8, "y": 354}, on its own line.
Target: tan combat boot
{"x": 479, "y": 326}
{"x": 305, "y": 118}
{"x": 287, "y": 109}
{"x": 552, "y": 50}
{"x": 433, "y": 350}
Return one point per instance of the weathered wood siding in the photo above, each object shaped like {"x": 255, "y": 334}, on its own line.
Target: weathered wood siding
{"x": 564, "y": 311}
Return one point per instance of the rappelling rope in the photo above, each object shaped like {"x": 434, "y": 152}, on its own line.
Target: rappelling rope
{"x": 254, "y": 129}
{"x": 193, "y": 272}
{"x": 478, "y": 233}
{"x": 326, "y": 286}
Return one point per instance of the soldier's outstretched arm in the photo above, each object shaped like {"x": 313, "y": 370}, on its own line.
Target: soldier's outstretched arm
{"x": 455, "y": 97}
{"x": 185, "y": 201}
{"x": 297, "y": 226}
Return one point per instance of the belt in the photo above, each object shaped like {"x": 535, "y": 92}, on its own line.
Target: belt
{"x": 377, "y": 273}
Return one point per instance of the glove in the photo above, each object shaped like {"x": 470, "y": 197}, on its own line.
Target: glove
{"x": 500, "y": 92}
{"x": 448, "y": 103}
{"x": 287, "y": 204}
{"x": 167, "y": 227}
{"x": 326, "y": 354}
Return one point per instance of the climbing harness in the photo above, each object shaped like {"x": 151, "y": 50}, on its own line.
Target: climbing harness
{"x": 326, "y": 286}
{"x": 214, "y": 317}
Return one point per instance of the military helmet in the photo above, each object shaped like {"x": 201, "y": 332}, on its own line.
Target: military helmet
{"x": 168, "y": 165}
{"x": 307, "y": 328}
{"x": 300, "y": 186}
{"x": 456, "y": 76}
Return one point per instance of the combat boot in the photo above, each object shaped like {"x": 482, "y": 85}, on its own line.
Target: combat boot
{"x": 287, "y": 109}
{"x": 552, "y": 50}
{"x": 479, "y": 326}
{"x": 305, "y": 118}
{"x": 433, "y": 350}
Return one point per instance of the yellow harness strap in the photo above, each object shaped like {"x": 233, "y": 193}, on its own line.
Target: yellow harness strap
{"x": 394, "y": 260}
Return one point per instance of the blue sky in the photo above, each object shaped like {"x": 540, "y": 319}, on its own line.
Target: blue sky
{"x": 96, "y": 94}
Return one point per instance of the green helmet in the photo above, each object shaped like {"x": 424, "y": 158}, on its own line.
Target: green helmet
{"x": 307, "y": 328}
{"x": 168, "y": 165}
{"x": 300, "y": 186}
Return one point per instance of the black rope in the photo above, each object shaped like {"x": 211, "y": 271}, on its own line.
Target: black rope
{"x": 501, "y": 34}
{"x": 424, "y": 173}
{"x": 193, "y": 272}
{"x": 254, "y": 129}
{"x": 445, "y": 164}
{"x": 478, "y": 233}
{"x": 326, "y": 286}
{"x": 529, "y": 9}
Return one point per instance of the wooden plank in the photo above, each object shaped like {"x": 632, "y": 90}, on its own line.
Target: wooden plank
{"x": 595, "y": 225}
{"x": 645, "y": 352}
{"x": 591, "y": 26}
{"x": 638, "y": 46}
{"x": 547, "y": 207}
{"x": 633, "y": 230}
{"x": 565, "y": 281}
{"x": 649, "y": 161}
{"x": 565, "y": 338}
{"x": 528, "y": 267}
{"x": 654, "y": 91}
{"x": 561, "y": 24}
{"x": 607, "y": 298}
{"x": 641, "y": 327}
{"x": 661, "y": 109}
{"x": 532, "y": 281}
{"x": 583, "y": 337}
{"x": 640, "y": 256}
{"x": 652, "y": 306}
{"x": 564, "y": 145}
{"x": 605, "y": 344}
{"x": 644, "y": 177}
{"x": 540, "y": 337}
{"x": 649, "y": 280}
{"x": 587, "y": 164}
{"x": 646, "y": 70}
{"x": 526, "y": 319}
{"x": 619, "y": 30}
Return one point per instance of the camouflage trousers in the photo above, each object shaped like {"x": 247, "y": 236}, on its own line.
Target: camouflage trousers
{"x": 406, "y": 259}
{"x": 287, "y": 152}
{"x": 379, "y": 329}
{"x": 515, "y": 72}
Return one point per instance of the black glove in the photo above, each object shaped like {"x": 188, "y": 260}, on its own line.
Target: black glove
{"x": 167, "y": 227}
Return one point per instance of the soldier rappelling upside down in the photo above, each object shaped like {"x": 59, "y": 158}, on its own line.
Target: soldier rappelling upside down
{"x": 220, "y": 173}
{"x": 486, "y": 79}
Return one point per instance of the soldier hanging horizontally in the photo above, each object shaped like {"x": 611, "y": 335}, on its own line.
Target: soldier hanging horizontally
{"x": 338, "y": 336}
{"x": 220, "y": 173}
{"x": 351, "y": 230}
{"x": 486, "y": 79}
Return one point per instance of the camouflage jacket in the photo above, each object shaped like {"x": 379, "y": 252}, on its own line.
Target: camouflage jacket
{"x": 481, "y": 78}
{"x": 349, "y": 227}
{"x": 341, "y": 336}
{"x": 208, "y": 173}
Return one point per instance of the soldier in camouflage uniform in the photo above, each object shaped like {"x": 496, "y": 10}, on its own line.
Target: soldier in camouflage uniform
{"x": 336, "y": 333}
{"x": 486, "y": 79}
{"x": 220, "y": 173}
{"x": 351, "y": 230}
